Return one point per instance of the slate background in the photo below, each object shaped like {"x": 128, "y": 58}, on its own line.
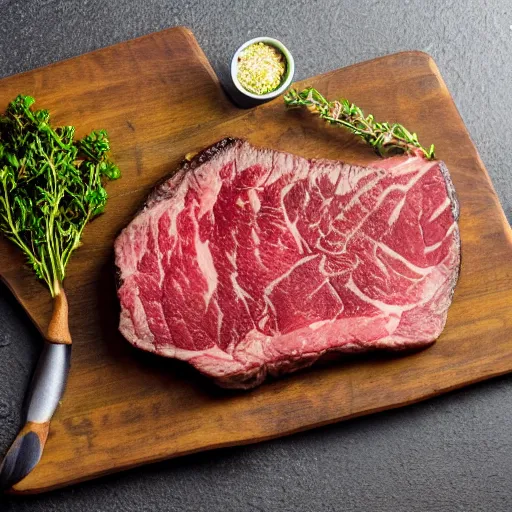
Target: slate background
{"x": 452, "y": 453}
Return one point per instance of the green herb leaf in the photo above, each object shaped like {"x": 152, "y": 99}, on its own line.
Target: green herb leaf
{"x": 50, "y": 186}
{"x": 385, "y": 138}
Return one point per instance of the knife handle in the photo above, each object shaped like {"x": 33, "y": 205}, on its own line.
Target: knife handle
{"x": 46, "y": 390}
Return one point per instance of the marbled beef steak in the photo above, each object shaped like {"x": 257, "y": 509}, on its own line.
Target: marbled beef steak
{"x": 251, "y": 261}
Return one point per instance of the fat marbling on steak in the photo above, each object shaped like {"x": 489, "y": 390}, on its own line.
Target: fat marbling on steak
{"x": 251, "y": 261}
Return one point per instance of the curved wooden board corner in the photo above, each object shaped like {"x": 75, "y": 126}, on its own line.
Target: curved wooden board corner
{"x": 111, "y": 391}
{"x": 435, "y": 70}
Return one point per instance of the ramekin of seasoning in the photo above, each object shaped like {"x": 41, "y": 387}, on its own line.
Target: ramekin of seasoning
{"x": 262, "y": 69}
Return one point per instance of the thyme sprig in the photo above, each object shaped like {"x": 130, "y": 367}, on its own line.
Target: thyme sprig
{"x": 50, "y": 187}
{"x": 385, "y": 138}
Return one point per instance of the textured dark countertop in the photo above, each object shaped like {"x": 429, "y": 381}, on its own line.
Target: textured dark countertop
{"x": 452, "y": 453}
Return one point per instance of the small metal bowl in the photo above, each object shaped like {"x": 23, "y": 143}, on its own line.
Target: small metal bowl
{"x": 287, "y": 79}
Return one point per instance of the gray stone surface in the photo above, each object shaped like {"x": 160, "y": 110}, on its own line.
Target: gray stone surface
{"x": 449, "y": 454}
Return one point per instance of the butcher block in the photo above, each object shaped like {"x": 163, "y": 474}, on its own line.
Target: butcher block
{"x": 159, "y": 99}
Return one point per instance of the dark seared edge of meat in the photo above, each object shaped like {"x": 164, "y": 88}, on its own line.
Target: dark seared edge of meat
{"x": 189, "y": 165}
{"x": 117, "y": 276}
{"x": 208, "y": 153}
{"x": 450, "y": 189}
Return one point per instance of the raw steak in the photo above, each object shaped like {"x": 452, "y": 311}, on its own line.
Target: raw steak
{"x": 250, "y": 261}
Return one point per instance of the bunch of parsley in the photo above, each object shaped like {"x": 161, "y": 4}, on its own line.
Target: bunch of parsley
{"x": 50, "y": 186}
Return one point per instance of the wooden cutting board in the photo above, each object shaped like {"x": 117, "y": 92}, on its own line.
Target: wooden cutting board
{"x": 159, "y": 99}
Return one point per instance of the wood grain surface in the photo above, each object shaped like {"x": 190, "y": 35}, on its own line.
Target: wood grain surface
{"x": 159, "y": 99}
